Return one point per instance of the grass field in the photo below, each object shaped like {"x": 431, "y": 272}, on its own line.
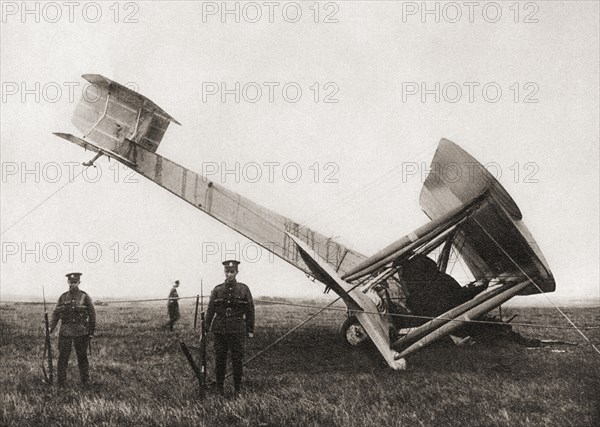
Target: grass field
{"x": 141, "y": 378}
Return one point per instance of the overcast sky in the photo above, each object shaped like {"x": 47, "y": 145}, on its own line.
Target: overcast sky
{"x": 353, "y": 95}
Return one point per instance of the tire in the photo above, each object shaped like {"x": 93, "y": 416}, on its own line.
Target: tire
{"x": 353, "y": 334}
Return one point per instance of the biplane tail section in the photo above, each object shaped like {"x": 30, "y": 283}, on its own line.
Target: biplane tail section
{"x": 495, "y": 243}
{"x": 115, "y": 119}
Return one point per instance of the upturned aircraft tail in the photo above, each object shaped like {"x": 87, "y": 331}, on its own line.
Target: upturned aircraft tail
{"x": 112, "y": 116}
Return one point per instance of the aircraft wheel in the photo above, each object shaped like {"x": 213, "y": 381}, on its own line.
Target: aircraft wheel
{"x": 353, "y": 333}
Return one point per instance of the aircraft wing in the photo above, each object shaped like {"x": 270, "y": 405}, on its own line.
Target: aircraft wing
{"x": 259, "y": 224}
{"x": 493, "y": 241}
{"x": 129, "y": 127}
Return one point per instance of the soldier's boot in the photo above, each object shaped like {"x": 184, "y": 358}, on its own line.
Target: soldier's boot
{"x": 81, "y": 348}
{"x": 237, "y": 373}
{"x": 220, "y": 374}
{"x": 236, "y": 359}
{"x": 84, "y": 371}
{"x": 64, "y": 351}
{"x": 85, "y": 376}
{"x": 62, "y": 375}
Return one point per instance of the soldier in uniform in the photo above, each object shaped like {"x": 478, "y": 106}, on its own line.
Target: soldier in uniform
{"x": 230, "y": 316}
{"x": 76, "y": 312}
{"x": 173, "y": 305}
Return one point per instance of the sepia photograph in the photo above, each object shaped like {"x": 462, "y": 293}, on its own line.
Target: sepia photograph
{"x": 300, "y": 213}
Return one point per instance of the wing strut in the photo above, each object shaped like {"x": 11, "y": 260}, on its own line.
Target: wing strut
{"x": 375, "y": 325}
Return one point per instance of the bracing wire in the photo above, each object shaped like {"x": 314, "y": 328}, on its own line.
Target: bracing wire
{"x": 42, "y": 202}
{"x": 538, "y": 287}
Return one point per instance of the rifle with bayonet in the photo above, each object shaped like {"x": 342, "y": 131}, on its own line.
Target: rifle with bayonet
{"x": 47, "y": 357}
{"x": 200, "y": 372}
{"x": 203, "y": 338}
{"x": 196, "y": 311}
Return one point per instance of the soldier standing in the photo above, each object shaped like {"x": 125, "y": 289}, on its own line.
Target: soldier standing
{"x": 230, "y": 316}
{"x": 173, "y": 305}
{"x": 76, "y": 312}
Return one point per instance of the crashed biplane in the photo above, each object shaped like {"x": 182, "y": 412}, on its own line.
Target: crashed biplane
{"x": 400, "y": 298}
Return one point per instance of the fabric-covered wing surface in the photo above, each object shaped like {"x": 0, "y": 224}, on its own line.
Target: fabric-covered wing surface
{"x": 496, "y": 241}
{"x": 110, "y": 112}
{"x": 257, "y": 223}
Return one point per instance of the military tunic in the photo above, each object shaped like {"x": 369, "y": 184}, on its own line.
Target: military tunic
{"x": 173, "y": 307}
{"x": 230, "y": 316}
{"x": 77, "y": 315}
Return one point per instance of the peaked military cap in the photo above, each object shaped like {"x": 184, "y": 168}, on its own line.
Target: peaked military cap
{"x": 74, "y": 276}
{"x": 231, "y": 264}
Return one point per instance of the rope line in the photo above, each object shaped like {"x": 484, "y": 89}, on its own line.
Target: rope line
{"x": 413, "y": 316}
{"x": 118, "y": 301}
{"x": 152, "y": 299}
{"x": 340, "y": 309}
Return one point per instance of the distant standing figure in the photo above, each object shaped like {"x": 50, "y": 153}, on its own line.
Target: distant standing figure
{"x": 173, "y": 306}
{"x": 230, "y": 316}
{"x": 76, "y": 312}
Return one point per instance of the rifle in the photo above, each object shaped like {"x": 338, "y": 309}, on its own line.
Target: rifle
{"x": 194, "y": 367}
{"x": 200, "y": 372}
{"x": 47, "y": 357}
{"x": 196, "y": 312}
{"x": 202, "y": 344}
